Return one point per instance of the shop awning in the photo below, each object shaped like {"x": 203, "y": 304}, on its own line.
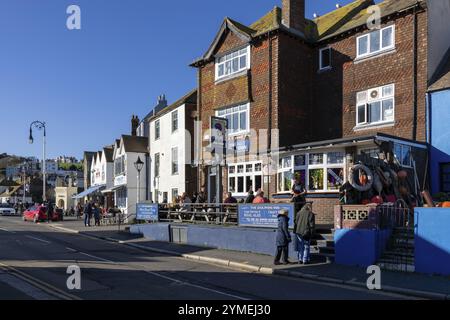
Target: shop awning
{"x": 89, "y": 191}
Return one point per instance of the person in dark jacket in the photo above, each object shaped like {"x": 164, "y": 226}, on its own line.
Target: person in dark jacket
{"x": 283, "y": 238}
{"x": 50, "y": 210}
{"x": 250, "y": 197}
{"x": 87, "y": 214}
{"x": 304, "y": 230}
{"x": 96, "y": 212}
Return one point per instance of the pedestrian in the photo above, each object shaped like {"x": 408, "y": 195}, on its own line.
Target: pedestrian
{"x": 50, "y": 210}
{"x": 96, "y": 211}
{"x": 304, "y": 231}
{"x": 298, "y": 193}
{"x": 283, "y": 238}
{"x": 79, "y": 211}
{"x": 194, "y": 197}
{"x": 260, "y": 199}
{"x": 87, "y": 214}
{"x": 201, "y": 198}
{"x": 229, "y": 199}
{"x": 250, "y": 197}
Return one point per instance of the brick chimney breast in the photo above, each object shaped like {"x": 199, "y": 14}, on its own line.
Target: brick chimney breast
{"x": 293, "y": 14}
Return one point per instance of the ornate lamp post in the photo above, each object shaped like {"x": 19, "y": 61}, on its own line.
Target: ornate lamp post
{"x": 41, "y": 126}
{"x": 139, "y": 164}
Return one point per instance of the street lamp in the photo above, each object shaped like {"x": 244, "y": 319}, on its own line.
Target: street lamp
{"x": 139, "y": 164}
{"x": 41, "y": 126}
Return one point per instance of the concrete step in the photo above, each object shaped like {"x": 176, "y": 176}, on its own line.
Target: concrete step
{"x": 396, "y": 260}
{"x": 325, "y": 243}
{"x": 399, "y": 253}
{"x": 397, "y": 267}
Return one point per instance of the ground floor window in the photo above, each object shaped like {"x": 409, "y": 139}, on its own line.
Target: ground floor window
{"x": 445, "y": 177}
{"x": 317, "y": 171}
{"x": 243, "y": 177}
{"x": 121, "y": 197}
{"x": 403, "y": 154}
{"x": 174, "y": 195}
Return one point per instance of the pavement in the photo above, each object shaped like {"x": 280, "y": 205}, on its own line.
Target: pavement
{"x": 411, "y": 284}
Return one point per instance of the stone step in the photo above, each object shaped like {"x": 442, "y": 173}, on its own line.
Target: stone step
{"x": 396, "y": 260}
{"x": 326, "y": 250}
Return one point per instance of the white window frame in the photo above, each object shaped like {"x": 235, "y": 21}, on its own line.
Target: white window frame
{"x": 174, "y": 161}
{"x": 321, "y": 67}
{"x": 224, "y": 112}
{"x": 253, "y": 174}
{"x": 382, "y": 49}
{"x": 229, "y": 57}
{"x": 157, "y": 129}
{"x": 368, "y": 101}
{"x": 307, "y": 167}
{"x": 173, "y": 119}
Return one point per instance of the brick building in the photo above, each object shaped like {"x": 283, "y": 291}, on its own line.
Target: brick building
{"x": 308, "y": 96}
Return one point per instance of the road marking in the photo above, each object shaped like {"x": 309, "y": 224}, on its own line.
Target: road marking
{"x": 46, "y": 287}
{"x": 70, "y": 249}
{"x": 44, "y": 241}
{"x": 195, "y": 285}
{"x": 98, "y": 258}
{"x": 6, "y": 230}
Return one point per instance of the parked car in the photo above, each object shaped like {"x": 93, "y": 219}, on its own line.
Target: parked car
{"x": 7, "y": 210}
{"x": 39, "y": 213}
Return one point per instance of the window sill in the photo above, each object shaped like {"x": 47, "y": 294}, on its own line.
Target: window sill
{"x": 374, "y": 55}
{"x": 232, "y": 76}
{"x": 374, "y": 126}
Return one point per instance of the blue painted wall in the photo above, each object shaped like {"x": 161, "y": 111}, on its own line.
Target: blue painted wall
{"x": 432, "y": 240}
{"x": 360, "y": 247}
{"x": 253, "y": 240}
{"x": 439, "y": 134}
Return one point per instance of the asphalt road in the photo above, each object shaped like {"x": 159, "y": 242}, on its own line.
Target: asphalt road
{"x": 34, "y": 260}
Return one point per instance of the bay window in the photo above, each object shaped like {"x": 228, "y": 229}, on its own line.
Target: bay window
{"x": 232, "y": 63}
{"x": 375, "y": 42}
{"x": 244, "y": 177}
{"x": 322, "y": 172}
{"x": 375, "y": 106}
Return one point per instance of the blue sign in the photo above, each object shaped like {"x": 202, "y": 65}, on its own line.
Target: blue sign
{"x": 147, "y": 211}
{"x": 263, "y": 215}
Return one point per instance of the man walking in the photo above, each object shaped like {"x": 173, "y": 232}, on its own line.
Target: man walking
{"x": 304, "y": 230}
{"x": 87, "y": 214}
{"x": 283, "y": 238}
{"x": 50, "y": 210}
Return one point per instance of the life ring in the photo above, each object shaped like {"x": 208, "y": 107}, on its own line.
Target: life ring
{"x": 353, "y": 179}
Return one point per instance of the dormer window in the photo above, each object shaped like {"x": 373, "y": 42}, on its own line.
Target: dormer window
{"x": 375, "y": 42}
{"x": 232, "y": 63}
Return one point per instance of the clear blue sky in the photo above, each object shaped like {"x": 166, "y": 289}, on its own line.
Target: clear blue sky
{"x": 86, "y": 84}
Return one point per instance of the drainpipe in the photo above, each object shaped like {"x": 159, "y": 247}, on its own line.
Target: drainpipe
{"x": 269, "y": 111}
{"x": 414, "y": 133}
{"x": 199, "y": 138}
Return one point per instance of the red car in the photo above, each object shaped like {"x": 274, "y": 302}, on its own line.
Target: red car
{"x": 39, "y": 213}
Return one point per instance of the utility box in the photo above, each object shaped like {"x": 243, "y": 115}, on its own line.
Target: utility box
{"x": 178, "y": 234}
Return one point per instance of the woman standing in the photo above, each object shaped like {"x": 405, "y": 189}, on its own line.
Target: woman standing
{"x": 283, "y": 238}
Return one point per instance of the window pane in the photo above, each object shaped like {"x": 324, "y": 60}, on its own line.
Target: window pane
{"x": 361, "y": 97}
{"x": 335, "y": 178}
{"x": 240, "y": 187}
{"x": 325, "y": 58}
{"x": 243, "y": 121}
{"x": 221, "y": 70}
{"x": 299, "y": 160}
{"x": 316, "y": 158}
{"x": 375, "y": 41}
{"x": 362, "y": 114}
{"x": 287, "y": 180}
{"x": 316, "y": 179}
{"x": 235, "y": 122}
{"x": 243, "y": 62}
{"x": 230, "y": 123}
{"x": 336, "y": 158}
{"x": 258, "y": 183}
{"x": 375, "y": 111}
{"x": 232, "y": 185}
{"x": 406, "y": 156}
{"x": 388, "y": 91}
{"x": 302, "y": 175}
{"x": 228, "y": 67}
{"x": 398, "y": 152}
{"x": 387, "y": 37}
{"x": 240, "y": 169}
{"x": 236, "y": 65}
{"x": 249, "y": 168}
{"x": 258, "y": 167}
{"x": 248, "y": 184}
{"x": 388, "y": 110}
{"x": 287, "y": 162}
{"x": 362, "y": 42}
{"x": 231, "y": 169}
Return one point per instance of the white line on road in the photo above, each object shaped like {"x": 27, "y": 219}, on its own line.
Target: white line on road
{"x": 6, "y": 230}
{"x": 98, "y": 258}
{"x": 70, "y": 249}
{"x": 44, "y": 241}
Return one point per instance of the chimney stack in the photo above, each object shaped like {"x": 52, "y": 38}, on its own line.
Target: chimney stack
{"x": 162, "y": 103}
{"x": 134, "y": 125}
{"x": 293, "y": 14}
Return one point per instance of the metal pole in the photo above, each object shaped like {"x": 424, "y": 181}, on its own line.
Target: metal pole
{"x": 24, "y": 186}
{"x": 44, "y": 169}
{"x": 139, "y": 187}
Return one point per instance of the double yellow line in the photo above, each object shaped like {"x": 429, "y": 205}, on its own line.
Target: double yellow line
{"x": 41, "y": 285}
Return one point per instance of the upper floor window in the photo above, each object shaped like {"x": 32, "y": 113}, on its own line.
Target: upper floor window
{"x": 375, "y": 42}
{"x": 174, "y": 121}
{"x": 157, "y": 129}
{"x": 174, "y": 161}
{"x": 119, "y": 165}
{"x": 325, "y": 58}
{"x": 238, "y": 118}
{"x": 375, "y": 105}
{"x": 157, "y": 164}
{"x": 232, "y": 63}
